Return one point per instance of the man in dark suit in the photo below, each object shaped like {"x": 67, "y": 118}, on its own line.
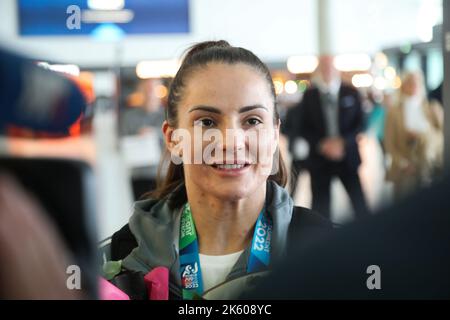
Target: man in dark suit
{"x": 297, "y": 148}
{"x": 436, "y": 94}
{"x": 331, "y": 117}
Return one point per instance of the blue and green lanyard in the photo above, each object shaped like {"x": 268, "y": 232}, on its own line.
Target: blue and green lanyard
{"x": 190, "y": 270}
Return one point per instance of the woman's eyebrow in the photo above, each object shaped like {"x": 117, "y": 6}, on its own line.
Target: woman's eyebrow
{"x": 205, "y": 108}
{"x": 250, "y": 108}
{"x": 218, "y": 111}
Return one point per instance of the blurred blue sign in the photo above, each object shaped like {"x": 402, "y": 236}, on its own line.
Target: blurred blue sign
{"x": 83, "y": 17}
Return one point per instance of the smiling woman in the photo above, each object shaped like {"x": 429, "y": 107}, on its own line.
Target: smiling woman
{"x": 222, "y": 212}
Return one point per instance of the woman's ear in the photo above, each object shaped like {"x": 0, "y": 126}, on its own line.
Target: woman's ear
{"x": 175, "y": 140}
{"x": 168, "y": 134}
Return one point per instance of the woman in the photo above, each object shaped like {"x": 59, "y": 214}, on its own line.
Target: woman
{"x": 227, "y": 215}
{"x": 414, "y": 137}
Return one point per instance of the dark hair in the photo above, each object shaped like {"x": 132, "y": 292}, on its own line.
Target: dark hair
{"x": 197, "y": 56}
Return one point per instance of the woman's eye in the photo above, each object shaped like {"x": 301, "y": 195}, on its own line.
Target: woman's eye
{"x": 253, "y": 121}
{"x": 204, "y": 123}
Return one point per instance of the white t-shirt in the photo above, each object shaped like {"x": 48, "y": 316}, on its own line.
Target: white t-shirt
{"x": 215, "y": 269}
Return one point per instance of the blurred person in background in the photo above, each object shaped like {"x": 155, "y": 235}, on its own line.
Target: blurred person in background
{"x": 436, "y": 94}
{"x": 298, "y": 148}
{"x": 376, "y": 118}
{"x": 331, "y": 118}
{"x": 143, "y": 117}
{"x": 144, "y": 111}
{"x": 414, "y": 137}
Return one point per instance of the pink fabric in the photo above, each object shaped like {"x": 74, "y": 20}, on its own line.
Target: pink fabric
{"x": 157, "y": 282}
{"x": 110, "y": 292}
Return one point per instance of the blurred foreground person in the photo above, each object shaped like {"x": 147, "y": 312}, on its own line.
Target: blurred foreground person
{"x": 331, "y": 118}
{"x": 400, "y": 253}
{"x": 35, "y": 102}
{"x": 414, "y": 137}
{"x": 32, "y": 255}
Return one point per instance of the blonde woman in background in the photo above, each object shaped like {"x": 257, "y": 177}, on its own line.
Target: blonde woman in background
{"x": 414, "y": 137}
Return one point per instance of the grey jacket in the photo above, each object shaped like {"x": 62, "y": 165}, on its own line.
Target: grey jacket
{"x": 152, "y": 224}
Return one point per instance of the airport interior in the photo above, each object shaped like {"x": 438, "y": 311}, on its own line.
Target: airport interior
{"x": 90, "y": 95}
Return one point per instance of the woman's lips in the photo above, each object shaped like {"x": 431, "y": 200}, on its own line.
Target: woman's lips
{"x": 230, "y": 169}
{"x": 229, "y": 166}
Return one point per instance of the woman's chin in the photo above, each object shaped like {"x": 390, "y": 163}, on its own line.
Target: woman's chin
{"x": 231, "y": 192}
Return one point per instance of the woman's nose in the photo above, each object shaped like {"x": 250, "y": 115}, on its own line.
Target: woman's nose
{"x": 234, "y": 139}
{"x": 233, "y": 143}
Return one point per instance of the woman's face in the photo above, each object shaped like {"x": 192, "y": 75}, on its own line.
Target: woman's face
{"x": 228, "y": 111}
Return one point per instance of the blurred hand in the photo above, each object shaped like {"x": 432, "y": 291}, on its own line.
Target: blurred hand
{"x": 33, "y": 260}
{"x": 333, "y": 148}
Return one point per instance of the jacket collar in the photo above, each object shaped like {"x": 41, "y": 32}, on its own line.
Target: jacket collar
{"x": 153, "y": 225}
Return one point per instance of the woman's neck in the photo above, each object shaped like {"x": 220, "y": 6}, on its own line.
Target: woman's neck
{"x": 224, "y": 227}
